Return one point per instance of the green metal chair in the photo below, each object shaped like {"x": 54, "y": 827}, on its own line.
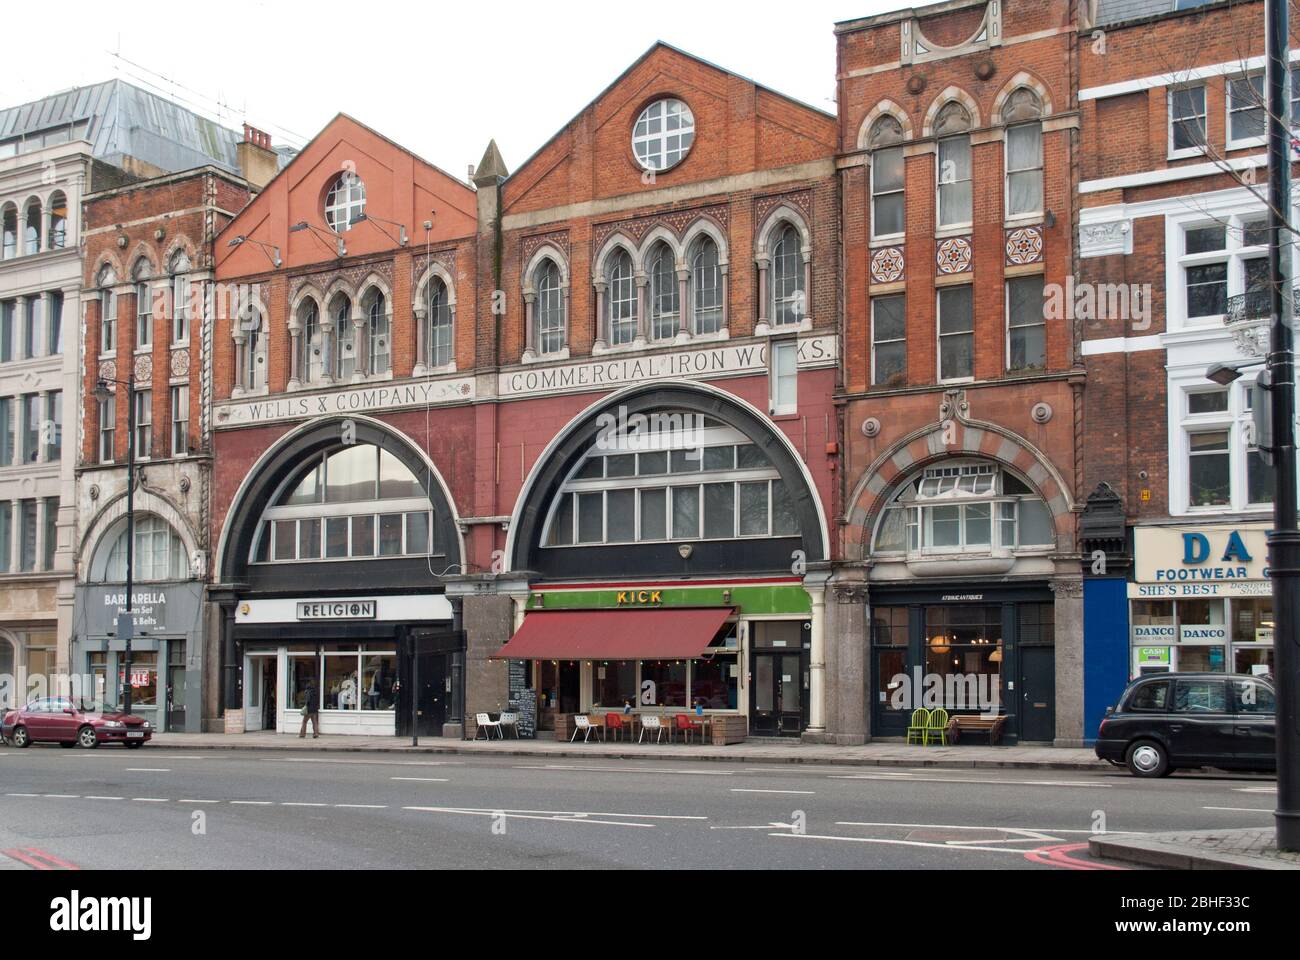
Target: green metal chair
{"x": 918, "y": 726}
{"x": 937, "y": 727}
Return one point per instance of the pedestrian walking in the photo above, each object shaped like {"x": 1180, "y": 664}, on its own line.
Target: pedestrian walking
{"x": 311, "y": 711}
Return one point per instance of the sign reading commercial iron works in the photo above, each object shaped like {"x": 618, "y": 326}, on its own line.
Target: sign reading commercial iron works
{"x": 723, "y": 361}
{"x": 1186, "y": 562}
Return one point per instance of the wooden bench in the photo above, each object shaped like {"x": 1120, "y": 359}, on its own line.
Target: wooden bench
{"x": 973, "y": 723}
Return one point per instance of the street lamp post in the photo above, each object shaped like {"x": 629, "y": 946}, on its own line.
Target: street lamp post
{"x": 126, "y": 623}
{"x": 1284, "y": 540}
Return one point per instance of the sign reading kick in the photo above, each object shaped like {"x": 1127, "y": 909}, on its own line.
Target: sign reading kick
{"x": 338, "y": 610}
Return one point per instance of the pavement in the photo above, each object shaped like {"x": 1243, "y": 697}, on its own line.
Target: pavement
{"x": 1252, "y": 849}
{"x": 764, "y": 751}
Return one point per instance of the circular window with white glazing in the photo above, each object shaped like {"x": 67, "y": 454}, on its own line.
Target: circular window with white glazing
{"x": 663, "y": 135}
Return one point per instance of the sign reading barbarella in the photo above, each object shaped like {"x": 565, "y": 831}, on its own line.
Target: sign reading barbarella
{"x": 608, "y": 372}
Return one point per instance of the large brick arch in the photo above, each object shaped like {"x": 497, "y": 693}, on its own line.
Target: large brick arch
{"x": 947, "y": 440}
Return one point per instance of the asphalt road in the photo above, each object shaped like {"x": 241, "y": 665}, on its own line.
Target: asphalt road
{"x": 157, "y": 808}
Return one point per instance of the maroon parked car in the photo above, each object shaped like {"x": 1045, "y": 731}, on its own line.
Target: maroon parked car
{"x": 60, "y": 720}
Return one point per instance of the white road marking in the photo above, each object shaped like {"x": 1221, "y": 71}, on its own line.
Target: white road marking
{"x": 1005, "y": 783}
{"x": 899, "y": 843}
{"x": 147, "y": 770}
{"x": 149, "y": 800}
{"x": 1255, "y": 789}
{"x": 636, "y": 770}
{"x": 952, "y": 826}
{"x": 419, "y": 780}
{"x": 63, "y": 796}
{"x": 360, "y": 806}
{"x": 304, "y": 804}
{"x": 567, "y": 813}
{"x": 568, "y": 818}
{"x": 101, "y": 798}
{"x": 22, "y": 794}
{"x": 251, "y": 803}
{"x": 801, "y": 793}
{"x": 198, "y": 801}
{"x": 367, "y": 763}
{"x": 1240, "y": 809}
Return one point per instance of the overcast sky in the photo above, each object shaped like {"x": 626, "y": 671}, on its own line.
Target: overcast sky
{"x": 441, "y": 79}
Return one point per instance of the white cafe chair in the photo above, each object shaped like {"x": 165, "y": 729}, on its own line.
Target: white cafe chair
{"x": 486, "y": 725}
{"x": 584, "y": 726}
{"x": 653, "y": 722}
{"x": 510, "y": 720}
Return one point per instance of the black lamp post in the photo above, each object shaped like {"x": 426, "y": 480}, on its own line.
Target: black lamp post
{"x": 1284, "y": 540}
{"x": 126, "y": 624}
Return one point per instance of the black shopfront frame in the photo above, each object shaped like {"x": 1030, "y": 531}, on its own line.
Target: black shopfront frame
{"x": 1027, "y": 670}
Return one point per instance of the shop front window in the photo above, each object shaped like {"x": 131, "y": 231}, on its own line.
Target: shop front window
{"x": 715, "y": 682}
{"x": 143, "y": 678}
{"x": 613, "y": 684}
{"x": 964, "y": 648}
{"x": 667, "y": 679}
{"x": 303, "y": 677}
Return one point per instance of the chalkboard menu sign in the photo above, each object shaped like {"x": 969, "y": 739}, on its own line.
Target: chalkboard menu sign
{"x": 526, "y": 707}
{"x": 518, "y": 673}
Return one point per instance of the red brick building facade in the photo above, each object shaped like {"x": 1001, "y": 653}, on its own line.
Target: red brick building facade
{"x": 148, "y": 285}
{"x": 957, "y": 140}
{"x": 671, "y": 256}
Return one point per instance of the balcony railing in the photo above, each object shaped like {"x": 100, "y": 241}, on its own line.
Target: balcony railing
{"x": 1257, "y": 305}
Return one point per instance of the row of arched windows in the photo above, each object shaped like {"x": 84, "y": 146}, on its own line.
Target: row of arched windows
{"x": 34, "y": 227}
{"x": 950, "y": 122}
{"x": 666, "y": 291}
{"x": 173, "y": 288}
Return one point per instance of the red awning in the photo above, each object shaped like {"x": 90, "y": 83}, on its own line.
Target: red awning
{"x": 614, "y": 635}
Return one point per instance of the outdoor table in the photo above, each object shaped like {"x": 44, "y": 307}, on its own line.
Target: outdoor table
{"x": 630, "y": 721}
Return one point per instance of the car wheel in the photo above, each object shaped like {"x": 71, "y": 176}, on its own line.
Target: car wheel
{"x": 1146, "y": 758}
{"x": 20, "y": 738}
{"x": 86, "y": 738}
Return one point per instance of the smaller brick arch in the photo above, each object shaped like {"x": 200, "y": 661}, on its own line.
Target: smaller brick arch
{"x": 884, "y": 108}
{"x": 547, "y": 251}
{"x": 706, "y": 226}
{"x": 954, "y": 439}
{"x": 617, "y": 240}
{"x": 1029, "y": 82}
{"x": 951, "y": 95}
{"x": 785, "y": 213}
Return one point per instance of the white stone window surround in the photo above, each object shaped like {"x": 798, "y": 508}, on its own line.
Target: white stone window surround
{"x": 1183, "y": 425}
{"x": 1232, "y": 208}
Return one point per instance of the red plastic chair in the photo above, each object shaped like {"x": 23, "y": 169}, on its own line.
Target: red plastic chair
{"x": 614, "y": 725}
{"x": 684, "y": 724}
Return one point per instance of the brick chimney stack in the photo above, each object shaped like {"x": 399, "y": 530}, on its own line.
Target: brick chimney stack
{"x": 258, "y": 163}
